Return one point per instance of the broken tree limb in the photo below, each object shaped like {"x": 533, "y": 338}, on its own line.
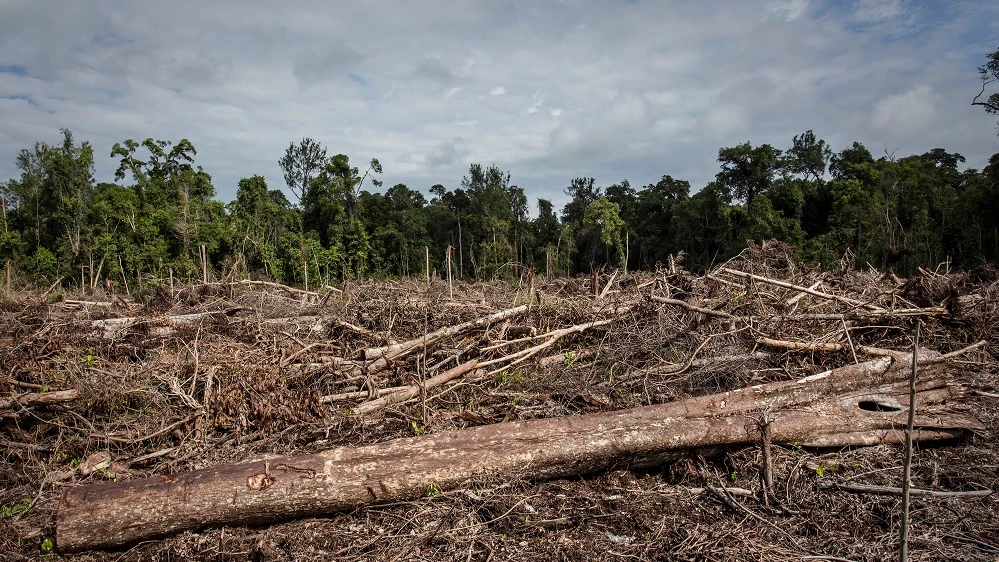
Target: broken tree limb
{"x": 607, "y": 287}
{"x": 410, "y": 392}
{"x": 354, "y": 395}
{"x": 813, "y": 292}
{"x": 800, "y": 346}
{"x": 382, "y": 355}
{"x": 791, "y": 301}
{"x": 160, "y": 326}
{"x": 860, "y": 402}
{"x": 691, "y": 307}
{"x": 286, "y": 288}
{"x": 667, "y": 368}
{"x": 567, "y": 357}
{"x": 893, "y": 491}
{"x": 40, "y": 399}
{"x": 553, "y": 336}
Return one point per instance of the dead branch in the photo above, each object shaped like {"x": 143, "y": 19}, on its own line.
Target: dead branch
{"x": 691, "y": 307}
{"x": 813, "y": 292}
{"x": 161, "y": 326}
{"x": 607, "y": 287}
{"x": 40, "y": 399}
{"x": 382, "y": 355}
{"x": 800, "y": 346}
{"x": 895, "y": 491}
{"x": 410, "y": 392}
{"x": 552, "y": 337}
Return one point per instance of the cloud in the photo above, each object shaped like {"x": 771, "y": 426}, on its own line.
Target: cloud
{"x": 548, "y": 91}
{"x": 448, "y": 153}
{"x": 876, "y": 11}
{"x": 788, "y": 10}
{"x": 537, "y": 100}
{"x": 725, "y": 121}
{"x": 911, "y": 112}
{"x": 433, "y": 69}
{"x": 312, "y": 68}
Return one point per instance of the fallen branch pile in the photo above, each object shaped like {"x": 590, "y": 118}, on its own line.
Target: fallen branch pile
{"x": 252, "y": 402}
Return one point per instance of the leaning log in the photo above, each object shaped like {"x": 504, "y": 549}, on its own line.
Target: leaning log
{"x": 856, "y": 405}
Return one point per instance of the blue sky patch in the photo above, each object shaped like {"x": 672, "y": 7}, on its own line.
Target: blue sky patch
{"x": 14, "y": 69}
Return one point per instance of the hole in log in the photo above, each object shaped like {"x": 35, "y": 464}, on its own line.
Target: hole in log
{"x": 878, "y": 404}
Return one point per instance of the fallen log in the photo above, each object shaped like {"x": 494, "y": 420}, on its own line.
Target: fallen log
{"x": 857, "y": 404}
{"x": 159, "y": 326}
{"x": 39, "y": 399}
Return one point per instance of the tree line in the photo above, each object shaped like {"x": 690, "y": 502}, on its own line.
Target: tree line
{"x": 161, "y": 218}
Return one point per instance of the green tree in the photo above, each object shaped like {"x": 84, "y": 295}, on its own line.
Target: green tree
{"x": 747, "y": 171}
{"x": 602, "y": 221}
{"x": 301, "y": 164}
{"x": 176, "y": 197}
{"x": 807, "y": 157}
{"x": 654, "y": 224}
{"x": 260, "y": 219}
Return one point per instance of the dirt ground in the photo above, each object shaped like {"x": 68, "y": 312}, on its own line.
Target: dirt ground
{"x": 258, "y": 372}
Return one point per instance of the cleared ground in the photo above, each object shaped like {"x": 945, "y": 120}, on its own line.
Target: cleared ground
{"x": 175, "y": 380}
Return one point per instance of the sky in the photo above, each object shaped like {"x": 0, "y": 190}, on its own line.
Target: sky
{"x": 547, "y": 90}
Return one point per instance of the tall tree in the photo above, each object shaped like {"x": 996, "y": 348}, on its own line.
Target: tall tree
{"x": 748, "y": 171}
{"x": 301, "y": 164}
{"x": 654, "y": 219}
{"x": 989, "y": 73}
{"x": 807, "y": 157}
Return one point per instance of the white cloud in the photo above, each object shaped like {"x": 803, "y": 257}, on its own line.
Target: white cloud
{"x": 874, "y": 11}
{"x": 725, "y": 121}
{"x": 497, "y": 91}
{"x": 537, "y": 100}
{"x": 448, "y": 153}
{"x": 911, "y": 112}
{"x": 788, "y": 10}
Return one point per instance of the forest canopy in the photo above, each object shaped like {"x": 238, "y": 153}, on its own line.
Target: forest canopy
{"x": 161, "y": 217}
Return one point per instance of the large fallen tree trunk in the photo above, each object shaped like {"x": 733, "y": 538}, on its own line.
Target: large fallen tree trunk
{"x": 855, "y": 405}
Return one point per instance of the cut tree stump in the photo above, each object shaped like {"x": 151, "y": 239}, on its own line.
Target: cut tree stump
{"x": 859, "y": 404}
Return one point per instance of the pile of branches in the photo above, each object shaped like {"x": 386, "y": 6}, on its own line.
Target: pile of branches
{"x": 179, "y": 379}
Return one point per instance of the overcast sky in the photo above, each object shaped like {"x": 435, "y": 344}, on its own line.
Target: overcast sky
{"x": 547, "y": 90}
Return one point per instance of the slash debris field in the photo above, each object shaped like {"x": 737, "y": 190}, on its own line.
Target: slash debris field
{"x": 112, "y": 388}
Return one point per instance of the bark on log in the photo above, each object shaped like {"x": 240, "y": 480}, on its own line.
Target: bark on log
{"x": 40, "y": 399}
{"x": 159, "y": 326}
{"x": 858, "y": 404}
